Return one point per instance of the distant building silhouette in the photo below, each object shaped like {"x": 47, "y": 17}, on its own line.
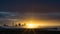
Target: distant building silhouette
{"x": 5, "y": 25}
{"x": 19, "y": 24}
{"x": 23, "y": 24}
{"x": 16, "y": 25}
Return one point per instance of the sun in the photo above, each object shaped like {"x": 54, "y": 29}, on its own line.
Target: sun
{"x": 30, "y": 25}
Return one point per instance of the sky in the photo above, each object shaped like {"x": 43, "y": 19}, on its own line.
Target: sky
{"x": 19, "y": 9}
{"x": 44, "y": 6}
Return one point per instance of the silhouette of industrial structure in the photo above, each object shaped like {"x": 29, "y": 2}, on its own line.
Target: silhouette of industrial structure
{"x": 20, "y": 24}
{"x": 16, "y": 25}
{"x": 5, "y": 25}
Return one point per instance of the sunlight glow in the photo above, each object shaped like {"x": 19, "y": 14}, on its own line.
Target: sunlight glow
{"x": 31, "y": 26}
{"x": 34, "y": 23}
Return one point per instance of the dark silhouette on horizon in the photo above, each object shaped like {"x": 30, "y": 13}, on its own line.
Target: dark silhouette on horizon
{"x": 5, "y": 25}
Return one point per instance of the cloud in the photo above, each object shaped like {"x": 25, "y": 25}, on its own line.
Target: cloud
{"x": 6, "y": 14}
{"x": 45, "y": 15}
{"x": 7, "y": 17}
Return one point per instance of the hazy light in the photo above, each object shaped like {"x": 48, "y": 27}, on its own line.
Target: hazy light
{"x": 31, "y": 25}
{"x": 34, "y": 23}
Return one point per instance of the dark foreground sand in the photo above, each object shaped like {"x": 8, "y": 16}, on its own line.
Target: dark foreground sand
{"x": 27, "y": 31}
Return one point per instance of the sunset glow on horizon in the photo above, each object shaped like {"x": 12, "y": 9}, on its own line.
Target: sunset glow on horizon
{"x": 31, "y": 23}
